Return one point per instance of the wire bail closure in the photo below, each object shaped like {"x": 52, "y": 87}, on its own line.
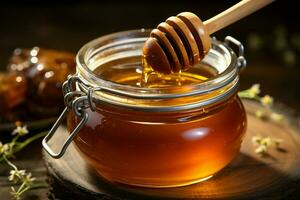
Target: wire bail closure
{"x": 74, "y": 100}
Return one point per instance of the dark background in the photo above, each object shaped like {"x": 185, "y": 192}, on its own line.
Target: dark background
{"x": 271, "y": 36}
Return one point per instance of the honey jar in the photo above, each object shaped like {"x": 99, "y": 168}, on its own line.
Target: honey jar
{"x": 146, "y": 129}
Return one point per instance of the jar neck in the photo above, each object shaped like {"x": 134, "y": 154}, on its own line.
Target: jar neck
{"x": 161, "y": 103}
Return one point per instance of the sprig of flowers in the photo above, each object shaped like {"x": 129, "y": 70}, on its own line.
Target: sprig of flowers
{"x": 21, "y": 177}
{"x": 267, "y": 102}
{"x": 262, "y": 144}
{"x": 24, "y": 179}
{"x": 14, "y": 146}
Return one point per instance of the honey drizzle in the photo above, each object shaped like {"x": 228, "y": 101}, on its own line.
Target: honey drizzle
{"x": 177, "y": 79}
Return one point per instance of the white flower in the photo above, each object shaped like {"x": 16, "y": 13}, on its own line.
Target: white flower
{"x": 261, "y": 149}
{"x": 254, "y": 90}
{"x": 20, "y": 130}
{"x": 28, "y": 179}
{"x": 14, "y": 176}
{"x": 267, "y": 141}
{"x": 277, "y": 117}
{"x": 4, "y": 149}
{"x": 22, "y": 172}
{"x": 266, "y": 101}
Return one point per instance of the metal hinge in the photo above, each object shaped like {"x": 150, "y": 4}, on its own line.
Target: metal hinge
{"x": 77, "y": 101}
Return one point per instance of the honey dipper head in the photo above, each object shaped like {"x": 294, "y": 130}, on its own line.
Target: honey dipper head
{"x": 177, "y": 44}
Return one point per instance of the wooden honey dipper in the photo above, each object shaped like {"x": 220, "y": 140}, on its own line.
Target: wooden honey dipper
{"x": 182, "y": 41}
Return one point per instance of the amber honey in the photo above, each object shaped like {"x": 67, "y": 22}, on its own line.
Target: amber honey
{"x": 160, "y": 149}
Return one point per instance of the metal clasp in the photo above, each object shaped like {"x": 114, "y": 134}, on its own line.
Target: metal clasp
{"x": 74, "y": 100}
{"x": 241, "y": 61}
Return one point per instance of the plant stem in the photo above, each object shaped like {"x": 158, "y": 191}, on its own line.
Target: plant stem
{"x": 15, "y": 139}
{"x": 245, "y": 95}
{"x": 18, "y": 146}
{"x": 38, "y": 186}
{"x": 21, "y": 145}
{"x": 21, "y": 188}
{"x": 9, "y": 163}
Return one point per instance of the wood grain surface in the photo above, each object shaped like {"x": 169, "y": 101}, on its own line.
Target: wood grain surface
{"x": 249, "y": 176}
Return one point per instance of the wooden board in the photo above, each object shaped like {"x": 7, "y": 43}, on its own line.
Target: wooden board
{"x": 248, "y": 176}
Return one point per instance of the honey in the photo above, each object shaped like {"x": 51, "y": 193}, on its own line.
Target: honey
{"x": 134, "y": 71}
{"x": 159, "y": 149}
{"x": 138, "y": 127}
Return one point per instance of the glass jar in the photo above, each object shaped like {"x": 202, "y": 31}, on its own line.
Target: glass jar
{"x": 152, "y": 137}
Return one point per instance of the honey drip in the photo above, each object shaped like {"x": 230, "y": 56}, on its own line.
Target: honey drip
{"x": 174, "y": 79}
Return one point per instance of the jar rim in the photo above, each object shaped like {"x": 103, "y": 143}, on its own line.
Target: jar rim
{"x": 223, "y": 79}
